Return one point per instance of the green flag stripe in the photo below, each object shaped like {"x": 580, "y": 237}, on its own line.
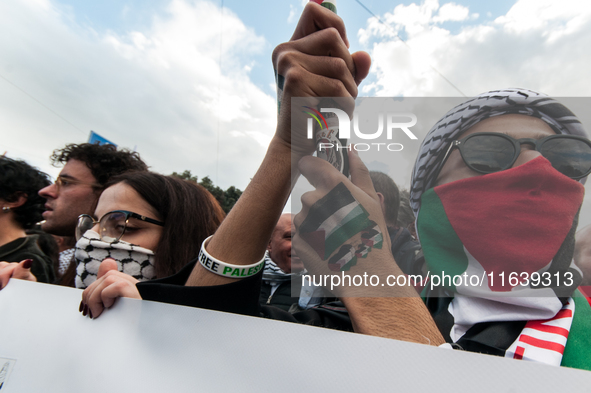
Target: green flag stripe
{"x": 576, "y": 353}
{"x": 441, "y": 245}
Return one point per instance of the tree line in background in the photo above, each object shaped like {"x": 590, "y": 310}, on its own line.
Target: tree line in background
{"x": 227, "y": 198}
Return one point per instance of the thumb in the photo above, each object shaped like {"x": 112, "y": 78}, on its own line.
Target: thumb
{"x": 362, "y": 63}
{"x": 106, "y": 266}
{"x": 23, "y": 270}
{"x": 360, "y": 174}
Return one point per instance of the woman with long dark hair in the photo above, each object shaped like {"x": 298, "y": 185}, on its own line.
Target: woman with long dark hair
{"x": 145, "y": 226}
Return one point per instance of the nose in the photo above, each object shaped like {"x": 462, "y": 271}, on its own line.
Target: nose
{"x": 527, "y": 154}
{"x": 49, "y": 192}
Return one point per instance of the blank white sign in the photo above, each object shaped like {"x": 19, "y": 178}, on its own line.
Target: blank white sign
{"x": 142, "y": 346}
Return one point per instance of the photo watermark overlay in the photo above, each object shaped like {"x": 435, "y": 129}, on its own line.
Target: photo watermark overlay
{"x": 345, "y": 242}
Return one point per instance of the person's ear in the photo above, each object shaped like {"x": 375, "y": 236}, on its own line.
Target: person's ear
{"x": 19, "y": 200}
{"x": 382, "y": 199}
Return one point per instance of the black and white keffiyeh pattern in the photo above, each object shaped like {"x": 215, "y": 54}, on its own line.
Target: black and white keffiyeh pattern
{"x": 136, "y": 261}
{"x": 65, "y": 258}
{"x": 462, "y": 117}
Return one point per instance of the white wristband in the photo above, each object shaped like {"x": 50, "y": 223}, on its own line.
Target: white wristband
{"x": 225, "y": 269}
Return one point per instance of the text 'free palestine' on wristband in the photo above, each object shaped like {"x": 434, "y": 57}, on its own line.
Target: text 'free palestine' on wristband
{"x": 225, "y": 269}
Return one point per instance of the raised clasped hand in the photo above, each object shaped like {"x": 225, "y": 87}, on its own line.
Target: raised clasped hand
{"x": 315, "y": 63}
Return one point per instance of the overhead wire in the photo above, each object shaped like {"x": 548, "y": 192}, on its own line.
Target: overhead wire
{"x": 408, "y": 46}
{"x": 41, "y": 103}
{"x": 217, "y": 160}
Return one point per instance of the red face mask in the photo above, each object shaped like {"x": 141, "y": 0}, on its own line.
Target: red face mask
{"x": 515, "y": 220}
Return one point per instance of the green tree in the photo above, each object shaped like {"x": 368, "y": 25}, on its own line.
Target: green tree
{"x": 186, "y": 175}
{"x": 232, "y": 194}
{"x": 227, "y": 199}
{"x": 217, "y": 192}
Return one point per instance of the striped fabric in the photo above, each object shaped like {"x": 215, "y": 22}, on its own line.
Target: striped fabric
{"x": 544, "y": 341}
{"x": 272, "y": 272}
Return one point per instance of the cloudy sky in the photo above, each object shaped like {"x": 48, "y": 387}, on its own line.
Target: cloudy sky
{"x": 189, "y": 83}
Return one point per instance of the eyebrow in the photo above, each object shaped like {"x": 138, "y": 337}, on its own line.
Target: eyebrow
{"x": 538, "y": 135}
{"x": 542, "y": 135}
{"x": 66, "y": 176}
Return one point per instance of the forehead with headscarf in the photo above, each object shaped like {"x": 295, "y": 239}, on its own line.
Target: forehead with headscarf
{"x": 459, "y": 119}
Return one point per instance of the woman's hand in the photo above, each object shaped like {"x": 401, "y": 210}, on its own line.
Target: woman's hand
{"x": 110, "y": 285}
{"x": 20, "y": 270}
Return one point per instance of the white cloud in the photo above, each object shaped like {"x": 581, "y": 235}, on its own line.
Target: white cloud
{"x": 160, "y": 89}
{"x": 293, "y": 14}
{"x": 528, "y": 15}
{"x": 537, "y": 44}
{"x": 296, "y": 11}
{"x": 452, "y": 12}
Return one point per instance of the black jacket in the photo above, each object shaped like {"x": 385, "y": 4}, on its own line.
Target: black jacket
{"x": 240, "y": 297}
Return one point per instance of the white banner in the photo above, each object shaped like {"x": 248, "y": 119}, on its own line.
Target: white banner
{"x": 46, "y": 345}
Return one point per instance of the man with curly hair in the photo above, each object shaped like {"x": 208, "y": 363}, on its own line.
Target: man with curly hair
{"x": 88, "y": 167}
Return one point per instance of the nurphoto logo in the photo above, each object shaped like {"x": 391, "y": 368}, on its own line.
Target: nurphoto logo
{"x": 340, "y": 128}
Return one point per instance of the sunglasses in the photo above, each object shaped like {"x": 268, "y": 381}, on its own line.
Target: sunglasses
{"x": 489, "y": 152}
{"x": 112, "y": 225}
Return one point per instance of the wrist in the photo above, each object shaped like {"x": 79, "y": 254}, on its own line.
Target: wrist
{"x": 224, "y": 269}
{"x": 282, "y": 145}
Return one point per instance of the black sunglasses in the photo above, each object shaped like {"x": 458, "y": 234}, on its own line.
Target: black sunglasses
{"x": 112, "y": 225}
{"x": 488, "y": 152}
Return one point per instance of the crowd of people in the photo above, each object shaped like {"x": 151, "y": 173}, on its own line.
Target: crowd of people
{"x": 496, "y": 191}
